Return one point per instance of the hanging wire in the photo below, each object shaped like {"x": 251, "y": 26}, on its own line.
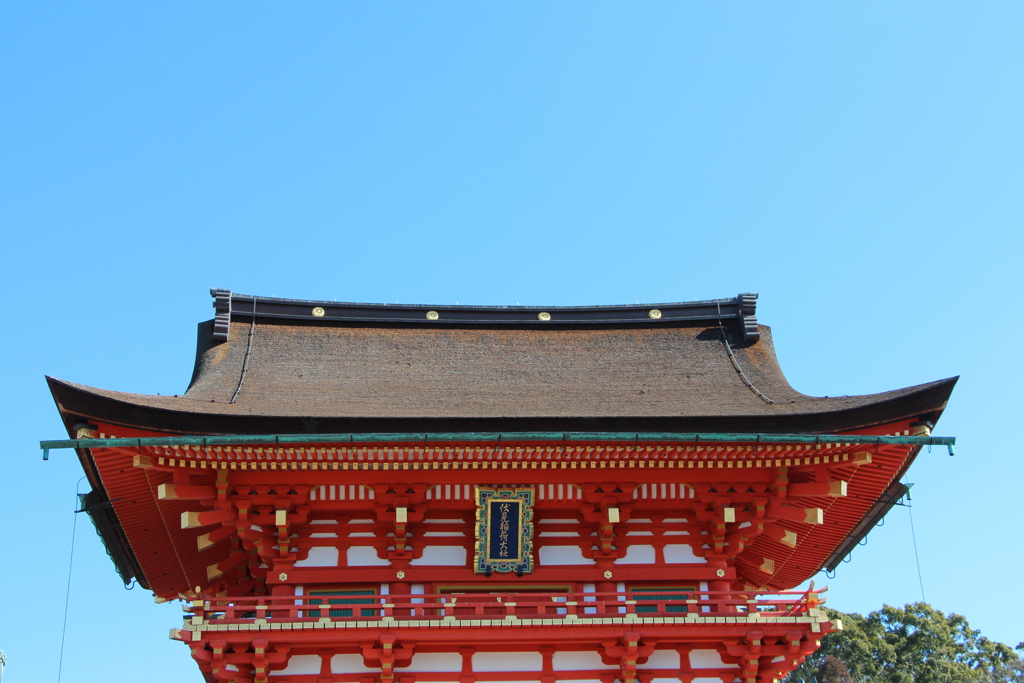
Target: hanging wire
{"x": 248, "y": 352}
{"x": 917, "y": 558}
{"x": 67, "y": 592}
{"x": 735, "y": 363}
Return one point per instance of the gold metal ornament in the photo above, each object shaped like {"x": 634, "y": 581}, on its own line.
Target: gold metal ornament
{"x": 654, "y": 314}
{"x": 400, "y": 574}
{"x": 432, "y": 315}
{"x": 607, "y": 574}
{"x": 504, "y": 530}
{"x": 544, "y": 315}
{"x": 282, "y": 576}
{"x": 318, "y": 312}
{"x": 720, "y": 573}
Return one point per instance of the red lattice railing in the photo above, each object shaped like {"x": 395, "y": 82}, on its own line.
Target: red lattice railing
{"x": 532, "y": 605}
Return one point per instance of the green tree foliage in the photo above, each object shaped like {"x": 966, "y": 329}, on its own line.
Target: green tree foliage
{"x": 912, "y": 644}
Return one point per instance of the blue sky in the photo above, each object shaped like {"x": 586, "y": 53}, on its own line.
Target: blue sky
{"x": 858, "y": 164}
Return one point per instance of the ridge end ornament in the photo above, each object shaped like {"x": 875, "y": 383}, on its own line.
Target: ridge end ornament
{"x": 748, "y": 318}
{"x": 222, "y": 318}
{"x": 504, "y": 530}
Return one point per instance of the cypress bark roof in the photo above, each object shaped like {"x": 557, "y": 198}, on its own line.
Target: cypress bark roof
{"x": 346, "y": 372}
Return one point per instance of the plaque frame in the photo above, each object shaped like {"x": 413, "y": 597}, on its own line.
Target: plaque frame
{"x": 513, "y": 508}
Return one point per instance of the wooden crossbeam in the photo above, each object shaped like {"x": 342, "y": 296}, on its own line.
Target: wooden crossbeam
{"x": 832, "y": 489}
{"x": 195, "y": 520}
{"x": 184, "y": 492}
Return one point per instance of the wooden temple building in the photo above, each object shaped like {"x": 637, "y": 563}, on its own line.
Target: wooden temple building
{"x": 364, "y": 493}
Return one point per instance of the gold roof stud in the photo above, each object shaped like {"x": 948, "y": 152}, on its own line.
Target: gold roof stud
{"x": 654, "y": 314}
{"x": 432, "y": 315}
{"x": 544, "y": 315}
{"x": 318, "y": 312}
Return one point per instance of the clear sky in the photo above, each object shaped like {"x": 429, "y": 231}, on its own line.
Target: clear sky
{"x": 861, "y": 165}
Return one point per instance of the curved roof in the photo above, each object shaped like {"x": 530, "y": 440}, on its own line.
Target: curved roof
{"x": 282, "y": 366}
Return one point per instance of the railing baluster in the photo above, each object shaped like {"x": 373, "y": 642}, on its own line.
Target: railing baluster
{"x": 523, "y": 605}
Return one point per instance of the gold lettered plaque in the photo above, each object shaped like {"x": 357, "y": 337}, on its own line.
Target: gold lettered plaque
{"x": 504, "y": 530}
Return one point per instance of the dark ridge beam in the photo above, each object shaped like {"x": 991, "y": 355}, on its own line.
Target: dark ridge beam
{"x": 740, "y": 309}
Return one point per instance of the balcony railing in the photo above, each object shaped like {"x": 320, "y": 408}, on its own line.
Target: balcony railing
{"x": 341, "y": 609}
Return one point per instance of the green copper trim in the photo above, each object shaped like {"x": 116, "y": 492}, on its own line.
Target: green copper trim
{"x": 499, "y": 437}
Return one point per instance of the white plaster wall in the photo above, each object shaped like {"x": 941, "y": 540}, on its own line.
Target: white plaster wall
{"x": 442, "y": 555}
{"x": 681, "y": 553}
{"x": 662, "y": 659}
{"x": 639, "y": 554}
{"x": 343, "y": 664}
{"x": 440, "y": 662}
{"x": 364, "y": 556}
{"x": 299, "y": 665}
{"x": 507, "y": 661}
{"x": 578, "y": 661}
{"x": 320, "y": 557}
{"x": 708, "y": 659}
{"x": 562, "y": 554}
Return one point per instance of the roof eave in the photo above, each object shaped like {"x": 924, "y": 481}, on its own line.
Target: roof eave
{"x": 79, "y": 403}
